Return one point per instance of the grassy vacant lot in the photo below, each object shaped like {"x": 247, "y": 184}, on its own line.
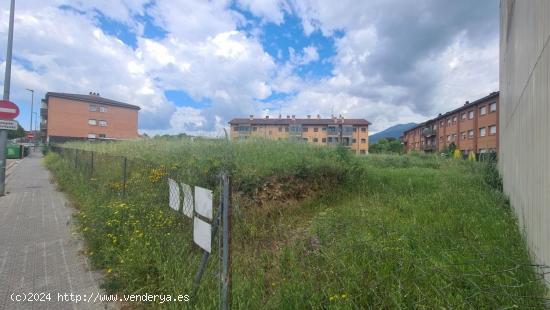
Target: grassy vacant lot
{"x": 313, "y": 227}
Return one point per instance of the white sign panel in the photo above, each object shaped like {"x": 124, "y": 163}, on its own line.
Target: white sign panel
{"x": 202, "y": 234}
{"x": 8, "y": 125}
{"x": 203, "y": 202}
{"x": 187, "y": 200}
{"x": 174, "y": 194}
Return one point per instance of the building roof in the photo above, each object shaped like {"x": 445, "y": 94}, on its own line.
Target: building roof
{"x": 91, "y": 99}
{"x": 464, "y": 107}
{"x": 298, "y": 121}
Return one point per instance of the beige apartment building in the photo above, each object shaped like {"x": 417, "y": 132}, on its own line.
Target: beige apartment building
{"x": 351, "y": 133}
{"x": 472, "y": 128}
{"x": 77, "y": 117}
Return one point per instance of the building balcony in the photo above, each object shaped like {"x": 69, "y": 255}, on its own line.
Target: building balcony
{"x": 428, "y": 148}
{"x": 43, "y": 112}
{"x": 428, "y": 132}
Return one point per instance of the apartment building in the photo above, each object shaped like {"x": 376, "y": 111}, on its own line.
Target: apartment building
{"x": 352, "y": 133}
{"x": 78, "y": 117}
{"x": 472, "y": 128}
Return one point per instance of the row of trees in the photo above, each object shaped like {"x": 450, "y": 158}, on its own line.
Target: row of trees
{"x": 387, "y": 146}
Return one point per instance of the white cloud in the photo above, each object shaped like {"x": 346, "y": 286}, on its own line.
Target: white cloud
{"x": 269, "y": 10}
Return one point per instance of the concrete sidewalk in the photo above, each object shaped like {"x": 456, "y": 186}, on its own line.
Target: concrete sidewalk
{"x": 38, "y": 251}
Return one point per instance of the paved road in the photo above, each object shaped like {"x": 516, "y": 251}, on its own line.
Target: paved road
{"x": 39, "y": 253}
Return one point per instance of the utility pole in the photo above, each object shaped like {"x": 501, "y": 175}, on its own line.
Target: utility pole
{"x": 7, "y": 80}
{"x": 32, "y": 105}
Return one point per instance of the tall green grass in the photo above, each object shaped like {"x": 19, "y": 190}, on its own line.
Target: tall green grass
{"x": 371, "y": 232}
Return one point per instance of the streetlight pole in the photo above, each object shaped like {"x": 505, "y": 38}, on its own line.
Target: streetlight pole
{"x": 7, "y": 80}
{"x": 32, "y": 105}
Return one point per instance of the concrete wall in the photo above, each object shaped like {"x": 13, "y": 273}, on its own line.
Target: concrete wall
{"x": 525, "y": 116}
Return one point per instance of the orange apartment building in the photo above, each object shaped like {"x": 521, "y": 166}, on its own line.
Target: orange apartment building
{"x": 79, "y": 117}
{"x": 472, "y": 128}
{"x": 352, "y": 133}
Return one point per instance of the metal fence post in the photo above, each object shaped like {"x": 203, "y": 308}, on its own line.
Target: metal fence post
{"x": 92, "y": 165}
{"x": 124, "y": 177}
{"x": 226, "y": 239}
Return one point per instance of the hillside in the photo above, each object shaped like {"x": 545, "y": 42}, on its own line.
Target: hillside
{"x": 391, "y": 132}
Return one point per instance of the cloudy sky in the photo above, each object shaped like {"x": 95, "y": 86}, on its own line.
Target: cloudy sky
{"x": 192, "y": 65}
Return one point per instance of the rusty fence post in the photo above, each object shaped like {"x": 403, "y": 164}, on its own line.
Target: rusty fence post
{"x": 226, "y": 245}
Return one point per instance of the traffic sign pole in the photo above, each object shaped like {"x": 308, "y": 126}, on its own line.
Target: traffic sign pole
{"x": 7, "y": 79}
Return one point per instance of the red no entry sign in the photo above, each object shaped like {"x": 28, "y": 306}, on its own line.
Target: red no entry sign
{"x": 8, "y": 110}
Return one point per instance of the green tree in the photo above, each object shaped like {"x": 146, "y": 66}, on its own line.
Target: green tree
{"x": 386, "y": 146}
{"x": 19, "y": 133}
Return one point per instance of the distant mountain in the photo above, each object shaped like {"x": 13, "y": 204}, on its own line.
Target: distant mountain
{"x": 392, "y": 132}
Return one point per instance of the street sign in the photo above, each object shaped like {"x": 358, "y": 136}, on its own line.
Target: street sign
{"x": 30, "y": 135}
{"x": 8, "y": 109}
{"x": 8, "y": 125}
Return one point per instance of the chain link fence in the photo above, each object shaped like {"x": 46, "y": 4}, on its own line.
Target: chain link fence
{"x": 132, "y": 199}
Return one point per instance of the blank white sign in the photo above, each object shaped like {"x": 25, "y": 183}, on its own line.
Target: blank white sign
{"x": 203, "y": 202}
{"x": 202, "y": 234}
{"x": 174, "y": 194}
{"x": 187, "y": 200}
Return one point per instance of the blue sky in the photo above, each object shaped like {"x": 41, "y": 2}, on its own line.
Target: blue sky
{"x": 193, "y": 65}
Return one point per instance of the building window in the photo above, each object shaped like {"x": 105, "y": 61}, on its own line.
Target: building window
{"x": 471, "y": 114}
{"x": 315, "y": 140}
{"x": 243, "y": 128}
{"x": 92, "y": 122}
{"x": 442, "y": 124}
{"x": 280, "y": 129}
{"x": 324, "y": 140}
{"x": 354, "y": 129}
{"x": 254, "y": 128}
{"x": 353, "y": 140}
{"x": 435, "y": 126}
{"x": 493, "y": 107}
{"x": 448, "y": 138}
{"x": 103, "y": 123}
{"x": 270, "y": 132}
{"x": 93, "y": 108}
{"x": 463, "y": 134}
{"x": 363, "y": 140}
{"x": 102, "y": 135}
{"x": 363, "y": 152}
{"x": 482, "y": 132}
{"x": 304, "y": 129}
{"x": 91, "y": 136}
{"x": 324, "y": 128}
{"x": 305, "y": 139}
{"x": 363, "y": 129}
{"x": 448, "y": 121}
{"x": 316, "y": 129}
{"x": 102, "y": 109}
{"x": 463, "y": 116}
{"x": 492, "y": 129}
{"x": 286, "y": 129}
{"x": 471, "y": 133}
{"x": 236, "y": 128}
{"x": 454, "y": 119}
{"x": 483, "y": 110}
{"x": 329, "y": 139}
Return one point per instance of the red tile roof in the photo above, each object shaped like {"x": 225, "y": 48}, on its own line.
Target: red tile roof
{"x": 299, "y": 121}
